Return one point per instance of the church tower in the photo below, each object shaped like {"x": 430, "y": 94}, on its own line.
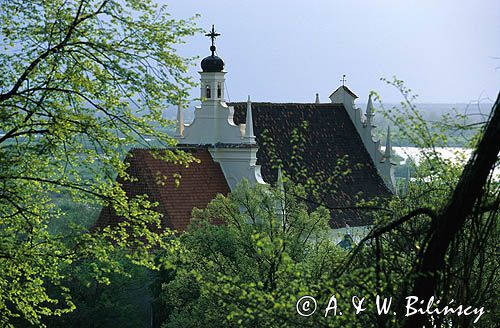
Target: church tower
{"x": 212, "y": 74}
{"x": 233, "y": 146}
{"x": 213, "y": 121}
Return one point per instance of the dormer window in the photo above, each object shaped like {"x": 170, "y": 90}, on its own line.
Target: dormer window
{"x": 219, "y": 90}
{"x": 208, "y": 93}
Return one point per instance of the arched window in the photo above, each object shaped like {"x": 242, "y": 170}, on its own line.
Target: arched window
{"x": 209, "y": 92}
{"x": 219, "y": 90}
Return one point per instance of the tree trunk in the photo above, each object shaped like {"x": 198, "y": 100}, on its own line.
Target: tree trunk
{"x": 452, "y": 218}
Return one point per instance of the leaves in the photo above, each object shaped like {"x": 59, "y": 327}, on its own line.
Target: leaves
{"x": 251, "y": 271}
{"x": 82, "y": 82}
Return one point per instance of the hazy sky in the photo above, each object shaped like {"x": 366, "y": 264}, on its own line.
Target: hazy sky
{"x": 447, "y": 51}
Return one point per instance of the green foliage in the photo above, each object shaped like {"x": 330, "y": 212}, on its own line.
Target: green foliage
{"x": 471, "y": 270}
{"x": 82, "y": 81}
{"x": 251, "y": 271}
{"x": 124, "y": 302}
{"x": 273, "y": 250}
{"x": 426, "y": 125}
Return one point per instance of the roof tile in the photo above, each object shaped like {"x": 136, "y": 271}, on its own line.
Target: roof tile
{"x": 199, "y": 184}
{"x": 329, "y": 143}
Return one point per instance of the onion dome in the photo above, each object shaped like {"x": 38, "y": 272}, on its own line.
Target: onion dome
{"x": 212, "y": 63}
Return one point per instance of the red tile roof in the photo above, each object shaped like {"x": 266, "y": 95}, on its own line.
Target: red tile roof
{"x": 199, "y": 184}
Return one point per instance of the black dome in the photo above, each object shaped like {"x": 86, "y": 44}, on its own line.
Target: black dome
{"x": 212, "y": 64}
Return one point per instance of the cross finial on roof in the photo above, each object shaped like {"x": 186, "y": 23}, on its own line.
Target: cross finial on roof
{"x": 343, "y": 80}
{"x": 212, "y": 35}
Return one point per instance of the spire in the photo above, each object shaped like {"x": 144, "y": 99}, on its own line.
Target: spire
{"x": 249, "y": 136}
{"x": 388, "y": 147}
{"x": 281, "y": 203}
{"x": 386, "y": 167}
{"x": 279, "y": 181}
{"x": 407, "y": 177}
{"x": 369, "y": 111}
{"x": 317, "y": 99}
{"x": 179, "y": 132}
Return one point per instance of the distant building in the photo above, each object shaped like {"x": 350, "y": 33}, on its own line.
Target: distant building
{"x": 246, "y": 139}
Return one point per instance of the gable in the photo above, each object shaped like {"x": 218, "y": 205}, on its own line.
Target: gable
{"x": 343, "y": 88}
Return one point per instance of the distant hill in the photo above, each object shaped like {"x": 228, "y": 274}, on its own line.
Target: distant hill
{"x": 474, "y": 112}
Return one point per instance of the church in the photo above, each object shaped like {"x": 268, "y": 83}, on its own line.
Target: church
{"x": 331, "y": 143}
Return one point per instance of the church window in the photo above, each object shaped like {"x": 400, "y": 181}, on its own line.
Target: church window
{"x": 209, "y": 92}
{"x": 219, "y": 90}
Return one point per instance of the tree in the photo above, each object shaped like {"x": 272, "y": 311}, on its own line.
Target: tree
{"x": 442, "y": 237}
{"x": 123, "y": 302}
{"x": 469, "y": 201}
{"x": 82, "y": 80}
{"x": 251, "y": 271}
{"x": 248, "y": 272}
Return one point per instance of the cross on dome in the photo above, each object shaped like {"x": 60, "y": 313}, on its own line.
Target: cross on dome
{"x": 212, "y": 63}
{"x": 212, "y": 35}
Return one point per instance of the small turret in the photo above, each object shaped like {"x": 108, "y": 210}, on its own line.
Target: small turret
{"x": 179, "y": 132}
{"x": 279, "y": 181}
{"x": 386, "y": 164}
{"x": 369, "y": 112}
{"x": 407, "y": 178}
{"x": 388, "y": 147}
{"x": 233, "y": 147}
{"x": 249, "y": 136}
{"x": 281, "y": 202}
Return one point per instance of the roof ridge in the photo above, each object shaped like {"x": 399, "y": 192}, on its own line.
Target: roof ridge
{"x": 285, "y": 103}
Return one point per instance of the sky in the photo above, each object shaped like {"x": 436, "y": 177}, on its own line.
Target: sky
{"x": 446, "y": 51}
